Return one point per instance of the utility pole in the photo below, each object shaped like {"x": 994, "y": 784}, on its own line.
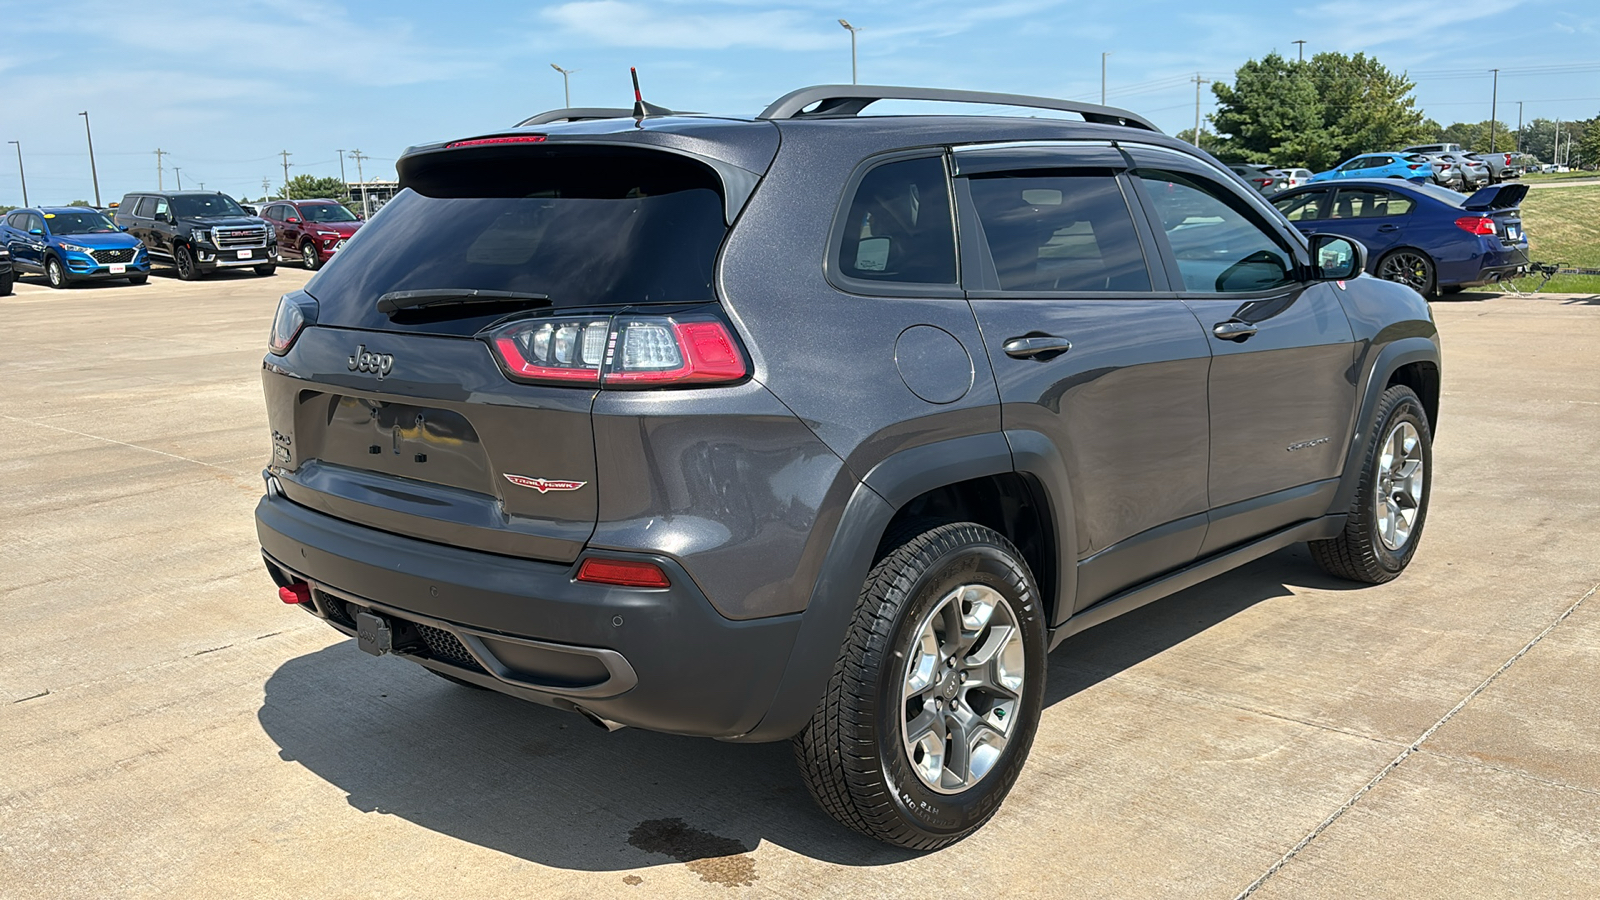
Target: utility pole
{"x": 1302, "y": 49}
{"x": 1197, "y": 82}
{"x": 202, "y": 185}
{"x": 22, "y": 172}
{"x": 852, "y": 29}
{"x": 1519, "y": 126}
{"x": 1555, "y": 152}
{"x": 266, "y": 187}
{"x": 161, "y": 183}
{"x": 1494, "y": 105}
{"x": 92, "y": 171}
{"x": 343, "y": 179}
{"x": 178, "y": 174}
{"x": 566, "y": 83}
{"x": 285, "y": 154}
{"x": 1103, "y": 78}
{"x": 358, "y": 156}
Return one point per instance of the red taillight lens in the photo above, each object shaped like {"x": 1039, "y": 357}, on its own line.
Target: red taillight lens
{"x": 1476, "y": 224}
{"x": 299, "y": 592}
{"x": 295, "y": 312}
{"x": 512, "y": 139}
{"x": 632, "y": 351}
{"x": 626, "y": 573}
{"x": 1414, "y": 166}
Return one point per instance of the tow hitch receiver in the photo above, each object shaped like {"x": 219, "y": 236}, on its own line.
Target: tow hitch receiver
{"x": 373, "y": 634}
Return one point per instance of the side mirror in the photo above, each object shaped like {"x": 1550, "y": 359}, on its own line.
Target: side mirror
{"x": 122, "y": 228}
{"x": 292, "y": 220}
{"x": 1336, "y": 258}
{"x": 36, "y": 232}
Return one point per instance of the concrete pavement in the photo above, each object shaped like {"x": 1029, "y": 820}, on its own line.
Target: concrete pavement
{"x": 168, "y": 728}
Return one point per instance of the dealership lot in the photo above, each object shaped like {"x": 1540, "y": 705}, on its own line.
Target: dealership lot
{"x": 168, "y": 728}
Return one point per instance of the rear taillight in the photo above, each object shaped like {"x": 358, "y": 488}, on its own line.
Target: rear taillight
{"x": 1476, "y": 224}
{"x": 295, "y": 312}
{"x": 1263, "y": 181}
{"x": 621, "y": 351}
{"x": 626, "y": 573}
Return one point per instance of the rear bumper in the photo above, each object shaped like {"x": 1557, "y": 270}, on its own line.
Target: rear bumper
{"x": 663, "y": 660}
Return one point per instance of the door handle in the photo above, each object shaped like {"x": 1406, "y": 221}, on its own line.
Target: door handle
{"x": 1388, "y": 228}
{"x": 1234, "y": 330}
{"x": 1035, "y": 346}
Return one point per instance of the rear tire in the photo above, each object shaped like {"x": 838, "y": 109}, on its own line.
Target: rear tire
{"x": 1391, "y": 503}
{"x": 920, "y": 735}
{"x": 1409, "y": 267}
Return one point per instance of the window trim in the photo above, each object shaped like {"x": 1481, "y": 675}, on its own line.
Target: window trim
{"x": 985, "y": 285}
{"x": 833, "y": 270}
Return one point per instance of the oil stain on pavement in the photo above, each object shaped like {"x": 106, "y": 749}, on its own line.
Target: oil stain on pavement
{"x": 714, "y": 858}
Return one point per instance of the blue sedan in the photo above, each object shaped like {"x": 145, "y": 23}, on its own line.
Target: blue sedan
{"x": 1404, "y": 166}
{"x": 1422, "y": 235}
{"x": 71, "y": 243}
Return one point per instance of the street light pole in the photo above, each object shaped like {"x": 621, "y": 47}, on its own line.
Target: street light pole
{"x": 1103, "y": 77}
{"x": 566, "y": 84}
{"x": 852, "y": 29}
{"x": 1494, "y": 105}
{"x": 23, "y": 173}
{"x": 1302, "y": 49}
{"x": 92, "y": 171}
{"x": 178, "y": 174}
{"x": 342, "y": 179}
{"x": 1519, "y": 126}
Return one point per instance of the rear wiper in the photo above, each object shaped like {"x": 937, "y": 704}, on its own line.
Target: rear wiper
{"x": 395, "y": 301}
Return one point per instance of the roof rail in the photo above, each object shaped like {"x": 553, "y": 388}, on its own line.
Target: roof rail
{"x": 840, "y": 100}
{"x": 577, "y": 114}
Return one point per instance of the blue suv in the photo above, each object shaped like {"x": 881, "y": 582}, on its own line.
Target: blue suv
{"x": 71, "y": 243}
{"x": 1407, "y": 166}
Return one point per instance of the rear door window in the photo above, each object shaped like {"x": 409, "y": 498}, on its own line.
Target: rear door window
{"x": 1368, "y": 203}
{"x": 1302, "y": 207}
{"x": 1059, "y": 231}
{"x": 898, "y": 229}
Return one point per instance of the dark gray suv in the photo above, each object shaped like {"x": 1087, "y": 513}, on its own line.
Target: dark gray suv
{"x": 826, "y": 427}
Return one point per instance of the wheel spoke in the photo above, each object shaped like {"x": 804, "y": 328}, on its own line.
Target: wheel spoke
{"x": 958, "y": 750}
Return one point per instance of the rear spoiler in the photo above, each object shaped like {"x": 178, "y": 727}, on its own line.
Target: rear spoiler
{"x": 1497, "y": 196}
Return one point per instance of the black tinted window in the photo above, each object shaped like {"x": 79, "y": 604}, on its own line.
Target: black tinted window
{"x": 1368, "y": 203}
{"x": 204, "y": 205}
{"x": 1067, "y": 231}
{"x": 1302, "y": 207}
{"x": 586, "y": 227}
{"x": 899, "y": 227}
{"x": 1220, "y": 248}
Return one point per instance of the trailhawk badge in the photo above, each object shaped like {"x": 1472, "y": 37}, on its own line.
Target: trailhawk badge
{"x": 543, "y": 485}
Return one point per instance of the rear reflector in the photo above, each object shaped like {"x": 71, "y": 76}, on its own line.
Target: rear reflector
{"x": 625, "y": 573}
{"x": 1476, "y": 224}
{"x": 299, "y": 592}
{"x": 513, "y": 139}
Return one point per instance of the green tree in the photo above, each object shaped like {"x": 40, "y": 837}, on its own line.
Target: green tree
{"x": 310, "y": 187}
{"x": 1586, "y": 146}
{"x": 1315, "y": 113}
{"x": 1475, "y": 135}
{"x": 79, "y": 203}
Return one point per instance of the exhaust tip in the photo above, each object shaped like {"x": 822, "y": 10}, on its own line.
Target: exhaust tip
{"x": 600, "y": 721}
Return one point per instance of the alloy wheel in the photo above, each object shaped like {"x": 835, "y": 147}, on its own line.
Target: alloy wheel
{"x": 1397, "y": 497}
{"x": 961, "y": 687}
{"x": 1407, "y": 268}
{"x": 184, "y": 263}
{"x": 56, "y": 275}
{"x": 308, "y": 256}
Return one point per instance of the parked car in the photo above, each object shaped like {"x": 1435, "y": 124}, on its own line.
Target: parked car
{"x": 311, "y": 231}
{"x": 1267, "y": 181}
{"x": 198, "y": 232}
{"x": 7, "y": 274}
{"x": 1447, "y": 173}
{"x": 1474, "y": 172}
{"x": 1407, "y": 166}
{"x": 1296, "y": 176}
{"x": 67, "y": 244}
{"x": 572, "y": 420}
{"x": 1423, "y": 236}
{"x": 1434, "y": 149}
{"x": 1500, "y": 167}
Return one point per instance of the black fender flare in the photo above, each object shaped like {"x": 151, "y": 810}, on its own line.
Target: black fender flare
{"x": 888, "y": 487}
{"x": 1401, "y": 352}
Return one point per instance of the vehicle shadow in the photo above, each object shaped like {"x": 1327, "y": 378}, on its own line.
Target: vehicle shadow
{"x": 547, "y": 787}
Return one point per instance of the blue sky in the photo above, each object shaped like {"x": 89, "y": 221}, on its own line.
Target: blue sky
{"x": 224, "y": 87}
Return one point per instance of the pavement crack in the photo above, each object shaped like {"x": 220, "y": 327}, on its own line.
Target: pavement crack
{"x": 43, "y": 693}
{"x": 96, "y": 437}
{"x": 1467, "y": 760}
{"x": 212, "y": 650}
{"x": 1414, "y": 747}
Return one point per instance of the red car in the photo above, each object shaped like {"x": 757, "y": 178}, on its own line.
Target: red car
{"x": 312, "y": 230}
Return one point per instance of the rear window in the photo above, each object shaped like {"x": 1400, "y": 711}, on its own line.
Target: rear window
{"x": 589, "y": 226}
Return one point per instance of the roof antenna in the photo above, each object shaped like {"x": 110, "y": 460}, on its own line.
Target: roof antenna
{"x": 641, "y": 109}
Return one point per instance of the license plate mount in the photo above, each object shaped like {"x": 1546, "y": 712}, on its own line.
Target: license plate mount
{"x": 118, "y": 268}
{"x": 244, "y": 254}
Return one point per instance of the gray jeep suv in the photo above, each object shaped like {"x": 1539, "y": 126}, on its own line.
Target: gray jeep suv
{"x": 826, "y": 427}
